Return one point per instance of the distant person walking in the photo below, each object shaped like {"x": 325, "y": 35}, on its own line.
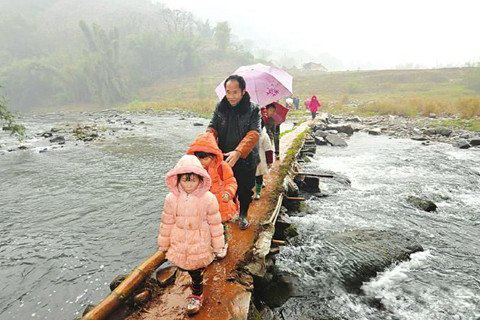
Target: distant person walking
{"x": 313, "y": 106}
{"x": 296, "y": 103}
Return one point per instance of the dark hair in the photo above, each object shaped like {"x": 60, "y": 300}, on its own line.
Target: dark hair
{"x": 239, "y": 79}
{"x": 271, "y": 105}
{"x": 201, "y": 154}
{"x": 189, "y": 176}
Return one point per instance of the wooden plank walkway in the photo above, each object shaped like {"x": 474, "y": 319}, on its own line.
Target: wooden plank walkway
{"x": 227, "y": 293}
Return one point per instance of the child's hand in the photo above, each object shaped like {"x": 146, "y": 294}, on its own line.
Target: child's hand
{"x": 226, "y": 197}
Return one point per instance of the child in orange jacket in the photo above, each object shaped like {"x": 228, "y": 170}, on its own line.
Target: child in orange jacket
{"x": 224, "y": 184}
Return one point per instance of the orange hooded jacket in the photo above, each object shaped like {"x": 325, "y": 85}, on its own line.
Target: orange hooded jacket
{"x": 220, "y": 172}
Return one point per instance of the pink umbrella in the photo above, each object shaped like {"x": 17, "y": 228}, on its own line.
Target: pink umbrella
{"x": 265, "y": 84}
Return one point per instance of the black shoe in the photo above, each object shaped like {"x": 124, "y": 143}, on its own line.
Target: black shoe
{"x": 243, "y": 223}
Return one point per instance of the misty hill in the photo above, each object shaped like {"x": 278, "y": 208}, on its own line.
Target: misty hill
{"x": 102, "y": 52}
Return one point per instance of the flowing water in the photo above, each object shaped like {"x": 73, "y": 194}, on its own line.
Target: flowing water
{"x": 76, "y": 215}
{"x": 443, "y": 282}
{"x": 73, "y": 217}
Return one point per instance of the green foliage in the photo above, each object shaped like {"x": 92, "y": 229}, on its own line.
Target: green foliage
{"x": 9, "y": 120}
{"x": 102, "y": 69}
{"x": 468, "y": 124}
{"x": 222, "y": 35}
{"x": 50, "y": 56}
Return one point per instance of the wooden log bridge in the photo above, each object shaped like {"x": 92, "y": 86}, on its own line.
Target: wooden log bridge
{"x": 228, "y": 283}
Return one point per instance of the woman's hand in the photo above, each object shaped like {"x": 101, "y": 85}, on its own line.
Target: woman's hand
{"x": 232, "y": 157}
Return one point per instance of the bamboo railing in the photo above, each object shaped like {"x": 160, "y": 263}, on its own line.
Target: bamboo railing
{"x": 126, "y": 288}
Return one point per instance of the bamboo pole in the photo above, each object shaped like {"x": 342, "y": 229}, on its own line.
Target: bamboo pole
{"x": 321, "y": 175}
{"x": 273, "y": 217}
{"x": 295, "y": 198}
{"x": 126, "y": 288}
{"x": 278, "y": 242}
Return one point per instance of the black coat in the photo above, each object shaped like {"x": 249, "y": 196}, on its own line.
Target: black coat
{"x": 233, "y": 123}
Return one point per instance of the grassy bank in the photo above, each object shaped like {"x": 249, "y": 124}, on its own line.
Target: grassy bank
{"x": 453, "y": 92}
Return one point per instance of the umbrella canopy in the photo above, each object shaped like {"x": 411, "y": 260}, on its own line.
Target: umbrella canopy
{"x": 279, "y": 116}
{"x": 265, "y": 84}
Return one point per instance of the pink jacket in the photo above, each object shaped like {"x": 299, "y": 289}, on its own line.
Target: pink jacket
{"x": 191, "y": 230}
{"x": 314, "y": 104}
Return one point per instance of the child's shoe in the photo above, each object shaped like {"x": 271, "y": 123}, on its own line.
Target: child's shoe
{"x": 257, "y": 196}
{"x": 194, "y": 303}
{"x": 222, "y": 253}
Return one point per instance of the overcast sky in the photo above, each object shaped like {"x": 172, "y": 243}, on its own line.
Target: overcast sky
{"x": 366, "y": 33}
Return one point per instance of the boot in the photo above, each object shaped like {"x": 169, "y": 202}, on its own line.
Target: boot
{"x": 258, "y": 189}
{"x": 242, "y": 219}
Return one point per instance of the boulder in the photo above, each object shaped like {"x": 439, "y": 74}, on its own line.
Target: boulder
{"x": 354, "y": 119}
{"x": 343, "y": 128}
{"x": 475, "y": 141}
{"x": 462, "y": 144}
{"x": 117, "y": 280}
{"x": 423, "y": 204}
{"x": 430, "y": 131}
{"x": 319, "y": 141}
{"x": 166, "y": 276}
{"x": 342, "y": 261}
{"x": 274, "y": 289}
{"x": 375, "y": 131}
{"x": 419, "y": 138}
{"x": 335, "y": 140}
{"x": 369, "y": 252}
{"x": 320, "y": 134}
{"x": 443, "y": 131}
{"x": 58, "y": 139}
{"x": 308, "y": 183}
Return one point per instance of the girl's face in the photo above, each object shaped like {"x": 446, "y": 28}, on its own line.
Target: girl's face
{"x": 189, "y": 183}
{"x": 271, "y": 112}
{"x": 206, "y": 161}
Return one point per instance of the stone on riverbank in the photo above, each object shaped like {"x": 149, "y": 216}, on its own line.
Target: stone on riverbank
{"x": 475, "y": 142}
{"x": 58, "y": 139}
{"x": 343, "y": 128}
{"x": 335, "y": 140}
{"x": 375, "y": 131}
{"x": 462, "y": 144}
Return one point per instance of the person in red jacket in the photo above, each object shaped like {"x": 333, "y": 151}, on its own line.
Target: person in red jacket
{"x": 314, "y": 105}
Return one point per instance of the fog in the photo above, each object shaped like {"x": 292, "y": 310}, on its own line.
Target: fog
{"x": 370, "y": 34}
{"x": 105, "y": 53}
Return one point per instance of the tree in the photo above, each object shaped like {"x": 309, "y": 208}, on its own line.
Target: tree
{"x": 103, "y": 64}
{"x": 8, "y": 119}
{"x": 222, "y": 35}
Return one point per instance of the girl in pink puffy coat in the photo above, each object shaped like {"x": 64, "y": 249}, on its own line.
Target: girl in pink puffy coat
{"x": 191, "y": 230}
